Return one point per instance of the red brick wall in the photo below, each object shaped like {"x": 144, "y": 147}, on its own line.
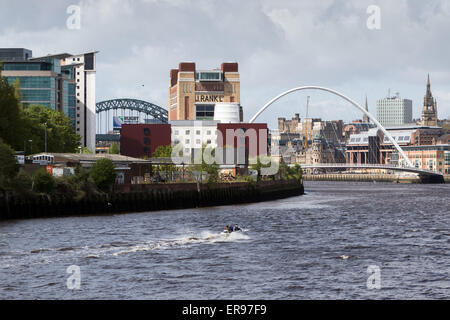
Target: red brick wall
{"x": 187, "y": 66}
{"x": 229, "y": 67}
{"x": 261, "y": 141}
{"x": 133, "y": 137}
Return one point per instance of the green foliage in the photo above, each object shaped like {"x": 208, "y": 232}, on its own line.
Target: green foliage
{"x": 11, "y": 124}
{"x": 289, "y": 173}
{"x": 60, "y": 136}
{"x": 85, "y": 150}
{"x": 162, "y": 152}
{"x": 202, "y": 166}
{"x": 43, "y": 182}
{"x": 81, "y": 181}
{"x": 22, "y": 183}
{"x": 8, "y": 165}
{"x": 258, "y": 165}
{"x": 113, "y": 148}
{"x": 103, "y": 174}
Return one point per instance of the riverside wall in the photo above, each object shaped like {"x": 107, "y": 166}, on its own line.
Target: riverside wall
{"x": 373, "y": 177}
{"x": 142, "y": 198}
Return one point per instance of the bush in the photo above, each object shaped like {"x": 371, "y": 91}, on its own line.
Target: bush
{"x": 8, "y": 165}
{"x": 22, "y": 183}
{"x": 103, "y": 174}
{"x": 43, "y": 182}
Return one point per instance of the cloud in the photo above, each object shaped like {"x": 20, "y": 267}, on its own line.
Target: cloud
{"x": 278, "y": 45}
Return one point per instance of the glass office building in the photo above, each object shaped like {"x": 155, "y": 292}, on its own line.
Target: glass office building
{"x": 42, "y": 81}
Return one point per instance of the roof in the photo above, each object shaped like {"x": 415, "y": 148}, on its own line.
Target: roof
{"x": 84, "y": 157}
{"x": 400, "y": 136}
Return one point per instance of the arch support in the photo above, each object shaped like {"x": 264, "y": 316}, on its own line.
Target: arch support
{"x": 386, "y": 133}
{"x": 132, "y": 104}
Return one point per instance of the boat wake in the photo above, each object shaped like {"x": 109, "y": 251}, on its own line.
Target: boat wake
{"x": 203, "y": 238}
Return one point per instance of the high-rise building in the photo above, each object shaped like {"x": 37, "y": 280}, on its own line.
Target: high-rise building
{"x": 429, "y": 112}
{"x": 394, "y": 111}
{"x": 193, "y": 93}
{"x": 62, "y": 82}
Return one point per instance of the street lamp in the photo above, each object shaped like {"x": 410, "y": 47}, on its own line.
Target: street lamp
{"x": 79, "y": 148}
{"x": 45, "y": 148}
{"x": 31, "y": 146}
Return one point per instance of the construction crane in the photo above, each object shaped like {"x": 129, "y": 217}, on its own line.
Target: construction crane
{"x": 306, "y": 125}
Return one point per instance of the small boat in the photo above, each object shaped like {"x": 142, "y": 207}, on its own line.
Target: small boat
{"x": 230, "y": 229}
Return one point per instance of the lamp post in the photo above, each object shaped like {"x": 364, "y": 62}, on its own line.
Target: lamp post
{"x": 45, "y": 148}
{"x": 31, "y": 146}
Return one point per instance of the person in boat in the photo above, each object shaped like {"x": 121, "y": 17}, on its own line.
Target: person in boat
{"x": 236, "y": 228}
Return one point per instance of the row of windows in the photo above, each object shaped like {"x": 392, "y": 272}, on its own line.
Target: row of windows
{"x": 197, "y": 141}
{"x": 37, "y": 95}
{"x": 34, "y": 82}
{"x": 197, "y": 132}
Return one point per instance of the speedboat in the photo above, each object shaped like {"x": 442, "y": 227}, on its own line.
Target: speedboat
{"x": 230, "y": 229}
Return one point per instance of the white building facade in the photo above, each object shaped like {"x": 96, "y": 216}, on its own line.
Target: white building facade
{"x": 394, "y": 111}
{"x": 85, "y": 74}
{"x": 192, "y": 134}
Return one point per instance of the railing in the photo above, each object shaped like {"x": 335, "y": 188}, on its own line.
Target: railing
{"x": 368, "y": 166}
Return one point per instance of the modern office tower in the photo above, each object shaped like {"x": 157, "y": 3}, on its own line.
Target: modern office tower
{"x": 62, "y": 82}
{"x": 194, "y": 93}
{"x": 429, "y": 112}
{"x": 394, "y": 111}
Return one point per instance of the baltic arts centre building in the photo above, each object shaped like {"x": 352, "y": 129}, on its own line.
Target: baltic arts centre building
{"x": 202, "y": 94}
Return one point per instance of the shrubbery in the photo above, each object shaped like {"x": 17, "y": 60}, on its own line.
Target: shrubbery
{"x": 43, "y": 182}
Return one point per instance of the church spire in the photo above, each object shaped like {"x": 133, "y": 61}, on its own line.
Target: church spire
{"x": 365, "y": 117}
{"x": 429, "y": 113}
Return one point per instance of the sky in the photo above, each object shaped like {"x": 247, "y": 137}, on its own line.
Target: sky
{"x": 279, "y": 45}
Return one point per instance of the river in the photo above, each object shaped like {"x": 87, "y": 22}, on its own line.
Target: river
{"x": 315, "y": 246}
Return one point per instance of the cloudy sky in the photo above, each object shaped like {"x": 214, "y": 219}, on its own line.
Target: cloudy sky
{"x": 278, "y": 45}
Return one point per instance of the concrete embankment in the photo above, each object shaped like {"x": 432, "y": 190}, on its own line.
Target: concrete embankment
{"x": 363, "y": 177}
{"x": 140, "y": 198}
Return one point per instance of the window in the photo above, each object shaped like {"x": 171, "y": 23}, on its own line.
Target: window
{"x": 146, "y": 150}
{"x": 204, "y": 112}
{"x": 187, "y": 141}
{"x": 197, "y": 132}
{"x": 187, "y": 132}
{"x": 186, "y": 150}
{"x": 208, "y": 132}
{"x": 198, "y": 141}
{"x": 146, "y": 131}
{"x": 177, "y": 132}
{"x": 78, "y": 115}
{"x": 208, "y": 141}
{"x": 146, "y": 141}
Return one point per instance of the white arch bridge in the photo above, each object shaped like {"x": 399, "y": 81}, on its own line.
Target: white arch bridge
{"x": 409, "y": 168}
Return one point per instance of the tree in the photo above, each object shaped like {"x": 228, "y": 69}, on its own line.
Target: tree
{"x": 103, "y": 174}
{"x": 60, "y": 135}
{"x": 204, "y": 163}
{"x": 11, "y": 128}
{"x": 164, "y": 152}
{"x": 258, "y": 165}
{"x": 8, "y": 164}
{"x": 43, "y": 181}
{"x": 114, "y": 148}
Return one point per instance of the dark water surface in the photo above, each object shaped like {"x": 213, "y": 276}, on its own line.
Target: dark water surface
{"x": 316, "y": 246}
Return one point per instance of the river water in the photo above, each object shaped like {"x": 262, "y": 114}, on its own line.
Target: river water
{"x": 315, "y": 246}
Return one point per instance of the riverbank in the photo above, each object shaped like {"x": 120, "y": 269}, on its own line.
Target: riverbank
{"x": 369, "y": 178}
{"x": 141, "y": 198}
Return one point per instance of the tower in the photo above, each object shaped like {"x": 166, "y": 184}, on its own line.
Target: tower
{"x": 365, "y": 117}
{"x": 429, "y": 112}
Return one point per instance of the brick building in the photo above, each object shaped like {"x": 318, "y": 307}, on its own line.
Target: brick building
{"x": 193, "y": 93}
{"x": 141, "y": 140}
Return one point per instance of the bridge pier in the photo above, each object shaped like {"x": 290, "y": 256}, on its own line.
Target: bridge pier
{"x": 431, "y": 178}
